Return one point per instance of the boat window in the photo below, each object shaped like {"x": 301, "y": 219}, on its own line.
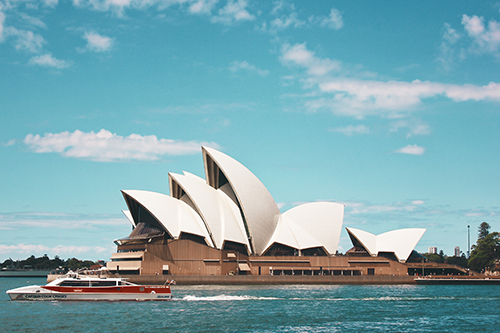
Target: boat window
{"x": 101, "y": 283}
{"x": 74, "y": 283}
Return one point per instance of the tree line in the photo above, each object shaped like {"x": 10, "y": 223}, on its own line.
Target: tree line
{"x": 45, "y": 263}
{"x": 485, "y": 253}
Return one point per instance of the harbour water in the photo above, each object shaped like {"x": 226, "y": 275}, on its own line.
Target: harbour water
{"x": 292, "y": 308}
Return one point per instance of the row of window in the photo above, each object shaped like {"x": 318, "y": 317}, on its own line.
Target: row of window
{"x": 97, "y": 283}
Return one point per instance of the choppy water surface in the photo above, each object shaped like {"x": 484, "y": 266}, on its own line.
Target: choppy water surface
{"x": 296, "y": 308}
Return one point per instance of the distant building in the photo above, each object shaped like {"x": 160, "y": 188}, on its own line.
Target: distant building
{"x": 457, "y": 251}
{"x": 433, "y": 250}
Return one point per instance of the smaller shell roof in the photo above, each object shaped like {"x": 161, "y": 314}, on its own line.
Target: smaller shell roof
{"x": 315, "y": 224}
{"x": 322, "y": 220}
{"x": 174, "y": 215}
{"x": 401, "y": 241}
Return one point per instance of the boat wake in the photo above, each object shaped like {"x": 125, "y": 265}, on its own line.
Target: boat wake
{"x": 224, "y": 298}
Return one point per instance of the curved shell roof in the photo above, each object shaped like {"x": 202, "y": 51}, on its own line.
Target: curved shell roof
{"x": 316, "y": 224}
{"x": 260, "y": 212}
{"x": 173, "y": 215}
{"x": 322, "y": 220}
{"x": 220, "y": 214}
{"x": 291, "y": 234}
{"x": 401, "y": 242}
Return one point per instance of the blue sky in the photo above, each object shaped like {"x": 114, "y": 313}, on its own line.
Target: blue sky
{"x": 389, "y": 107}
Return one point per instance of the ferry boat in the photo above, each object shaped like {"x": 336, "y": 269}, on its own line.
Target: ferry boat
{"x": 76, "y": 287}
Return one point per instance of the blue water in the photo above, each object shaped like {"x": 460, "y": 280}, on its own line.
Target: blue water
{"x": 296, "y": 308}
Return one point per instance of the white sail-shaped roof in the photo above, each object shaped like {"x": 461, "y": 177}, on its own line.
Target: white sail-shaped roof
{"x": 322, "y": 220}
{"x": 260, "y": 212}
{"x": 401, "y": 242}
{"x": 129, "y": 217}
{"x": 293, "y": 235}
{"x": 316, "y": 224}
{"x": 220, "y": 214}
{"x": 172, "y": 214}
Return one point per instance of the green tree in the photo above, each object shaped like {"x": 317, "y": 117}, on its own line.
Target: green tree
{"x": 459, "y": 261}
{"x": 486, "y": 250}
{"x": 484, "y": 230}
{"x": 434, "y": 257}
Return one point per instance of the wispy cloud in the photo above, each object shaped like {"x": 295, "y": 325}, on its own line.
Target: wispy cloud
{"x": 25, "y": 40}
{"x": 299, "y": 55}
{"x": 351, "y": 130}
{"x": 447, "y": 49}
{"x": 48, "y": 220}
{"x": 105, "y": 146}
{"x": 233, "y": 12}
{"x": 33, "y": 21}
{"x": 63, "y": 234}
{"x": 333, "y": 21}
{"x": 236, "y": 66}
{"x": 286, "y": 21}
{"x": 11, "y": 142}
{"x": 21, "y": 251}
{"x": 47, "y": 60}
{"x": 97, "y": 42}
{"x": 413, "y": 125}
{"x": 2, "y": 21}
{"x": 202, "y": 6}
{"x": 32, "y": 248}
{"x": 360, "y": 97}
{"x": 411, "y": 150}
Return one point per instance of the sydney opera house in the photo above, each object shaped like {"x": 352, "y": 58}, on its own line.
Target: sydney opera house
{"x": 229, "y": 224}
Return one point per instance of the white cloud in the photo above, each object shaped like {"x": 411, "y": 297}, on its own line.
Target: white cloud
{"x": 34, "y": 21}
{"x": 97, "y": 43}
{"x": 25, "y": 40}
{"x": 244, "y": 65}
{"x": 48, "y": 220}
{"x": 202, "y": 6}
{"x": 47, "y": 60}
{"x": 447, "y": 49}
{"x": 233, "y": 12}
{"x": 359, "y": 98}
{"x": 115, "y": 6}
{"x": 298, "y": 54}
{"x": 2, "y": 21}
{"x": 414, "y": 126}
{"x": 351, "y": 130}
{"x": 50, "y": 3}
{"x": 11, "y": 142}
{"x": 485, "y": 39}
{"x": 60, "y": 250}
{"x": 287, "y": 21}
{"x": 105, "y": 146}
{"x": 279, "y": 5}
{"x": 31, "y": 248}
{"x": 418, "y": 202}
{"x": 334, "y": 21}
{"x": 411, "y": 150}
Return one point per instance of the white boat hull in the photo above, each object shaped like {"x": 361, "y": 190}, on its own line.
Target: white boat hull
{"x": 38, "y": 293}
